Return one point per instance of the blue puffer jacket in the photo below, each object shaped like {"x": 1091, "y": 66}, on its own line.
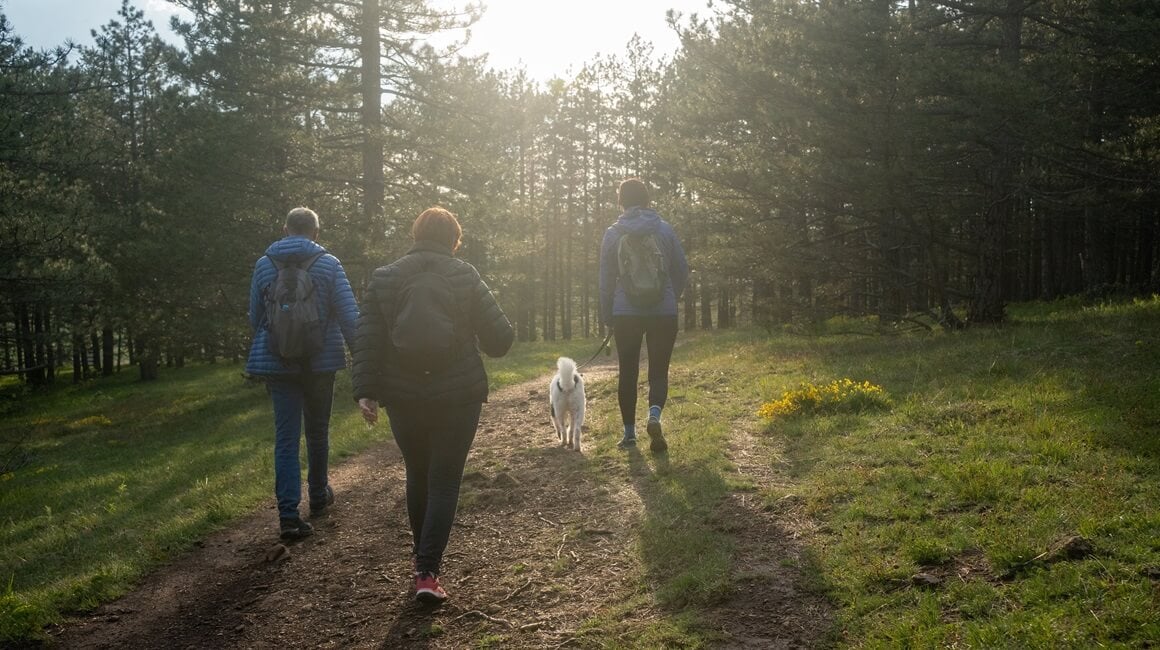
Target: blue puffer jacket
{"x": 613, "y": 301}
{"x": 337, "y": 306}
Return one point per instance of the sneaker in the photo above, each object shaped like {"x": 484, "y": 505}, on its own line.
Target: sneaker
{"x": 294, "y": 528}
{"x": 627, "y": 442}
{"x": 317, "y": 509}
{"x": 656, "y": 437}
{"x": 427, "y": 589}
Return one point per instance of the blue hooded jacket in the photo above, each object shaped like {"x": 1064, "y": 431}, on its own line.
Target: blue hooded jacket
{"x": 613, "y": 301}
{"x": 337, "y": 306}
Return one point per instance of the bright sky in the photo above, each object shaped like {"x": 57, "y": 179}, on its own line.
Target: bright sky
{"x": 547, "y": 37}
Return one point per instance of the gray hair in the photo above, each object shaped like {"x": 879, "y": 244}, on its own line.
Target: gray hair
{"x": 302, "y": 221}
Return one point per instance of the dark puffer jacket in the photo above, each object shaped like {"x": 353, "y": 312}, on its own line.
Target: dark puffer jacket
{"x": 377, "y": 374}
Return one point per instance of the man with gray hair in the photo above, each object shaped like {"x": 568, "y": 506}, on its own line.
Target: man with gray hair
{"x": 301, "y": 386}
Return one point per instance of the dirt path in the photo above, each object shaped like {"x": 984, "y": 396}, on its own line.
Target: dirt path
{"x": 537, "y": 550}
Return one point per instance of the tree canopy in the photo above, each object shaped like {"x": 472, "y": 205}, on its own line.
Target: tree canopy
{"x": 911, "y": 162}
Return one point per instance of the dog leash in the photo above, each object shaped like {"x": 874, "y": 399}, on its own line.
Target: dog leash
{"x": 603, "y": 344}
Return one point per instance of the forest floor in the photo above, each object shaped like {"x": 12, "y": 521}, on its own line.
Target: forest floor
{"x": 536, "y": 556}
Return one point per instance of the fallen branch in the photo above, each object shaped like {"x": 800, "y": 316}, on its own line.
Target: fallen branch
{"x": 513, "y": 594}
{"x": 533, "y": 626}
{"x": 476, "y": 612}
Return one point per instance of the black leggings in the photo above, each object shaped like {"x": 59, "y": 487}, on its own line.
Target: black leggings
{"x": 660, "y": 333}
{"x": 434, "y": 441}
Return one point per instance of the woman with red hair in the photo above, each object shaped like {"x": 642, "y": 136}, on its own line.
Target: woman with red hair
{"x": 421, "y": 326}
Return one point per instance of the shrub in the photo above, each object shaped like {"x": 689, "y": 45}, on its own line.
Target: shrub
{"x": 838, "y": 396}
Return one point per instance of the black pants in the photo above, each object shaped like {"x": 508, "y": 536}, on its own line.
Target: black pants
{"x": 660, "y": 333}
{"x": 434, "y": 440}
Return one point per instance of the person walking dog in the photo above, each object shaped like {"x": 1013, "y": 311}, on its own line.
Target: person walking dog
{"x": 422, "y": 323}
{"x": 643, "y": 272}
{"x": 302, "y": 310}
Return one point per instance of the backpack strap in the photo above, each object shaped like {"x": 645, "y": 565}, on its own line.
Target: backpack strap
{"x": 312, "y": 260}
{"x": 278, "y": 266}
{"x": 306, "y": 268}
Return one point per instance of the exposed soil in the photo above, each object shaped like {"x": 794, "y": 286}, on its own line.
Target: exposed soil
{"x": 538, "y": 549}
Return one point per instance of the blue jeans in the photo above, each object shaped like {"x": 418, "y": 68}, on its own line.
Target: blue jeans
{"x": 298, "y": 400}
{"x": 434, "y": 440}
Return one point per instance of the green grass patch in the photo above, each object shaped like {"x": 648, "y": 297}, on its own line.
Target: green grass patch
{"x": 106, "y": 480}
{"x": 1002, "y": 443}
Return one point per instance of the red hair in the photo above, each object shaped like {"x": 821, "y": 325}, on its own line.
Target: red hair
{"x": 438, "y": 225}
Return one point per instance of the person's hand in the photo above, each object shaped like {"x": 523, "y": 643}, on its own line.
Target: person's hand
{"x": 370, "y": 410}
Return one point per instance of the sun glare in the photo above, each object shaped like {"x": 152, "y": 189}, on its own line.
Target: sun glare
{"x": 557, "y": 38}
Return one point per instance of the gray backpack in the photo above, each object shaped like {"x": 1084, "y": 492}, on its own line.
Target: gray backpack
{"x": 292, "y": 314}
{"x": 641, "y": 265}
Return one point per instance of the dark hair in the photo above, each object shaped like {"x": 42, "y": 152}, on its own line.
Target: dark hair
{"x": 438, "y": 225}
{"x": 302, "y": 221}
{"x": 632, "y": 193}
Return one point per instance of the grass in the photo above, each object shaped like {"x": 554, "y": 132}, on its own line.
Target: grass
{"x": 998, "y": 445}
{"x": 1003, "y": 443}
{"x": 106, "y": 480}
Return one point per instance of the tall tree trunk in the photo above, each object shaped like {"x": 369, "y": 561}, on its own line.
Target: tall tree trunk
{"x": 546, "y": 303}
{"x": 148, "y": 357}
{"x": 988, "y": 303}
{"x": 25, "y": 345}
{"x": 1099, "y": 241}
{"x": 37, "y": 375}
{"x": 1145, "y": 252}
{"x": 374, "y": 183}
{"x": 49, "y": 347}
{"x": 107, "y": 345}
{"x": 95, "y": 346}
{"x": 724, "y": 308}
{"x": 78, "y": 356}
{"x": 569, "y": 273}
{"x": 706, "y": 307}
{"x": 9, "y": 341}
{"x": 690, "y": 299}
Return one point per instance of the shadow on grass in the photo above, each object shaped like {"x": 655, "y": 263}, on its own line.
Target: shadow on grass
{"x": 160, "y": 475}
{"x": 712, "y": 552}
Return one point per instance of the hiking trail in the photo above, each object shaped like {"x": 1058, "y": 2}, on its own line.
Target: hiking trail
{"x": 538, "y": 548}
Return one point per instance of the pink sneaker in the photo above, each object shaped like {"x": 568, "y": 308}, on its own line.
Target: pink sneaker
{"x": 427, "y": 589}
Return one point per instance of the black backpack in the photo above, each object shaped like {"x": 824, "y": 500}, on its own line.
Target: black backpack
{"x": 292, "y": 314}
{"x": 640, "y": 261}
{"x": 426, "y": 332}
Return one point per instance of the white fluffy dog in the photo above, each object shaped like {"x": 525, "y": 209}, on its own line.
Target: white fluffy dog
{"x": 566, "y": 401}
